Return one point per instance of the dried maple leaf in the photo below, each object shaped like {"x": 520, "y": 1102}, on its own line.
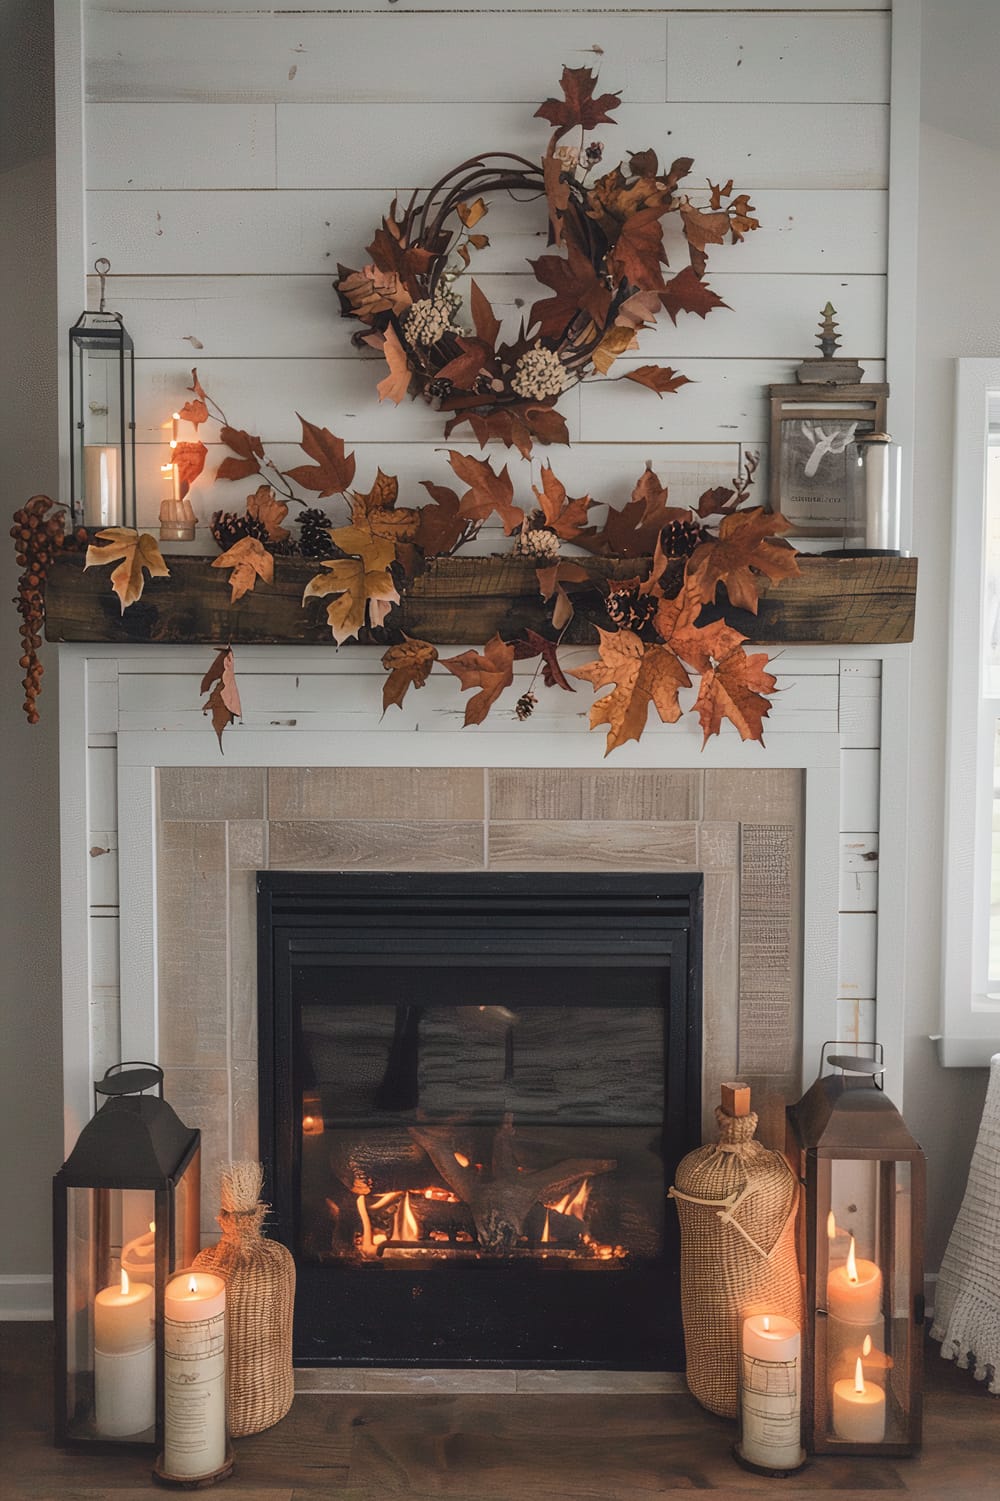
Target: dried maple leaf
{"x": 408, "y": 666}
{"x": 687, "y": 293}
{"x": 357, "y": 587}
{"x": 642, "y": 675}
{"x": 359, "y": 540}
{"x": 484, "y": 320}
{"x": 634, "y": 531}
{"x": 223, "y": 702}
{"x": 250, "y": 560}
{"x": 334, "y": 469}
{"x": 471, "y": 213}
{"x": 488, "y": 491}
{"x": 390, "y": 252}
{"x": 700, "y": 646}
{"x": 638, "y": 252}
{"x": 578, "y": 105}
{"x": 565, "y": 516}
{"x": 615, "y": 342}
{"x": 366, "y": 293}
{"x": 476, "y": 355}
{"x": 551, "y": 580}
{"x": 741, "y": 549}
{"x": 639, "y": 310}
{"x": 189, "y": 459}
{"x": 735, "y": 688}
{"x": 491, "y": 671}
{"x": 441, "y": 526}
{"x": 136, "y": 551}
{"x": 556, "y": 192}
{"x": 195, "y": 412}
{"x": 196, "y": 385}
{"x": 514, "y": 425}
{"x": 250, "y": 450}
{"x": 264, "y": 506}
{"x": 376, "y": 509}
{"x": 658, "y": 378}
{"x": 576, "y": 287}
{"x": 394, "y": 386}
{"x": 531, "y": 644}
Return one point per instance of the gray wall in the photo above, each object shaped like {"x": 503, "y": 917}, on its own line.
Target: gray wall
{"x": 30, "y": 1055}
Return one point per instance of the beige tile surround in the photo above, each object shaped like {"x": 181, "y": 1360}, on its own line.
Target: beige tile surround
{"x": 218, "y": 826}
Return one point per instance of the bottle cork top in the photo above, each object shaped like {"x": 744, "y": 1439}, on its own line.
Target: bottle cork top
{"x": 735, "y": 1099}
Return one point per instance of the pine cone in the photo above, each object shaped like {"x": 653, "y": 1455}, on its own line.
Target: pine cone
{"x": 680, "y": 538}
{"x": 314, "y": 534}
{"x": 631, "y": 611}
{"x": 230, "y": 527}
{"x": 525, "y": 706}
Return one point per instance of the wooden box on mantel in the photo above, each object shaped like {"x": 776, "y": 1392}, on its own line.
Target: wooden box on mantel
{"x": 465, "y": 601}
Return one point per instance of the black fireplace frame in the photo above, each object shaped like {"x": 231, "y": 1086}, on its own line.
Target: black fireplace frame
{"x": 301, "y": 914}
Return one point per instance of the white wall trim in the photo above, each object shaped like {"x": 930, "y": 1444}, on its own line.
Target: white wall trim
{"x": 25, "y": 1297}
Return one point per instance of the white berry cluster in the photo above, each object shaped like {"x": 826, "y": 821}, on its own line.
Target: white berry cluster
{"x": 539, "y": 373}
{"x": 431, "y": 317}
{"x": 536, "y": 543}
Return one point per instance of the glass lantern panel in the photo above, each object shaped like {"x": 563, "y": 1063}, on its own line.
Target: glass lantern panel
{"x": 898, "y": 1200}
{"x": 187, "y": 1214}
{"x": 821, "y": 480}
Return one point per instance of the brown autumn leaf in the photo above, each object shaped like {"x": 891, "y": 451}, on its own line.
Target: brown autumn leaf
{"x": 366, "y": 293}
{"x": 390, "y": 252}
{"x": 223, "y": 701}
{"x": 484, "y": 320}
{"x": 531, "y": 644}
{"x": 514, "y": 425}
{"x": 715, "y": 502}
{"x": 551, "y": 580}
{"x": 250, "y": 560}
{"x": 736, "y": 689}
{"x": 658, "y": 378}
{"x": 615, "y": 342}
{"x": 359, "y": 540}
{"x": 638, "y": 253}
{"x": 333, "y": 470}
{"x": 638, "y": 311}
{"x": 643, "y": 163}
{"x": 394, "y": 386}
{"x": 491, "y": 671}
{"x": 136, "y": 551}
{"x": 488, "y": 491}
{"x": 576, "y": 288}
{"x": 687, "y": 293}
{"x": 634, "y": 531}
{"x": 700, "y": 646}
{"x": 565, "y": 516}
{"x": 195, "y": 412}
{"x": 578, "y": 107}
{"x": 642, "y": 675}
{"x": 376, "y": 509}
{"x": 358, "y": 588}
{"x": 557, "y": 194}
{"x": 441, "y": 525}
{"x": 742, "y": 548}
{"x": 408, "y": 666}
{"x": 471, "y": 213}
{"x": 189, "y": 459}
{"x": 196, "y": 385}
{"x": 462, "y": 370}
{"x": 264, "y": 506}
{"x": 250, "y": 451}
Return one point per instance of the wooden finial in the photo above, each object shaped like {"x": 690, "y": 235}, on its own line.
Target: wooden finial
{"x": 828, "y": 340}
{"x": 736, "y": 1099}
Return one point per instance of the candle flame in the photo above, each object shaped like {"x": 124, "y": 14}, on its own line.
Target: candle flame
{"x": 152, "y": 1227}
{"x": 831, "y": 1225}
{"x": 192, "y": 1283}
{"x": 859, "y": 1380}
{"x": 124, "y": 1281}
{"x": 767, "y": 1321}
{"x": 866, "y": 1348}
{"x": 176, "y": 416}
{"x": 852, "y": 1265}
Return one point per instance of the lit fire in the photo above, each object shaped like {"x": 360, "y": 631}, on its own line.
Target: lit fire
{"x": 546, "y": 1232}
{"x": 574, "y": 1204}
{"x": 831, "y": 1226}
{"x": 404, "y": 1222}
{"x": 852, "y": 1265}
{"x": 192, "y": 1283}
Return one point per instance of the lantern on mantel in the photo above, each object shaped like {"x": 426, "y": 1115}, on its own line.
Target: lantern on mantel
{"x": 861, "y": 1231}
{"x": 126, "y": 1210}
{"x": 102, "y": 416}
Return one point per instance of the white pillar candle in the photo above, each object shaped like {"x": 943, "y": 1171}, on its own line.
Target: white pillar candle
{"x": 194, "y": 1370}
{"x": 770, "y": 1392}
{"x": 854, "y": 1290}
{"x": 124, "y": 1359}
{"x": 858, "y": 1409}
{"x": 101, "y": 485}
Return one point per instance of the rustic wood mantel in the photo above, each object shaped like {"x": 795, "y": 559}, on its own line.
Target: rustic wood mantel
{"x": 465, "y": 600}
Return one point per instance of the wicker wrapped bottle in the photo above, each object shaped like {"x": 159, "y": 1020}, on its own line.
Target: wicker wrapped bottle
{"x": 260, "y": 1292}
{"x": 736, "y": 1202}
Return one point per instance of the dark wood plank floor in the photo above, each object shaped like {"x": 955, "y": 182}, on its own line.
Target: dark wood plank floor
{"x": 496, "y": 1448}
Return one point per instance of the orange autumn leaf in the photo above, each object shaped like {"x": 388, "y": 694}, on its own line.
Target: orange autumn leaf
{"x": 189, "y": 459}
{"x": 642, "y": 675}
{"x": 394, "y": 386}
{"x": 223, "y": 702}
{"x": 249, "y": 560}
{"x": 578, "y": 107}
{"x": 735, "y": 688}
{"x": 634, "y": 530}
{"x": 471, "y": 213}
{"x": 359, "y": 590}
{"x": 490, "y": 671}
{"x": 249, "y": 450}
{"x": 408, "y": 666}
{"x": 551, "y": 579}
{"x": 742, "y": 549}
{"x": 487, "y": 492}
{"x": 658, "y": 378}
{"x": 563, "y": 515}
{"x": 333, "y": 469}
{"x": 376, "y": 509}
{"x": 264, "y": 506}
{"x": 195, "y": 412}
{"x": 698, "y": 645}
{"x": 137, "y": 552}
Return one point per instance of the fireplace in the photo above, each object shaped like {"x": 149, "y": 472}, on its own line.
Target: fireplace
{"x": 474, "y": 1091}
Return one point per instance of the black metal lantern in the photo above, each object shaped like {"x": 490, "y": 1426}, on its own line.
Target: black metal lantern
{"x": 102, "y": 417}
{"x": 126, "y": 1208}
{"x": 861, "y": 1248}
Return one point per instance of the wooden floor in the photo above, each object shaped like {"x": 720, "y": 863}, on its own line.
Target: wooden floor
{"x": 521, "y": 1447}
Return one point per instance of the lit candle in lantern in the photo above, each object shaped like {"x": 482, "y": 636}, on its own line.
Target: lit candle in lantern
{"x": 194, "y": 1373}
{"x": 854, "y": 1290}
{"x": 124, "y": 1359}
{"x": 174, "y": 419}
{"x": 858, "y": 1409}
{"x": 101, "y": 485}
{"x": 770, "y": 1393}
{"x": 139, "y": 1255}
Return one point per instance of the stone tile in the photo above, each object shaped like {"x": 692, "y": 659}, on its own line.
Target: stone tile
{"x": 247, "y": 844}
{"x": 720, "y": 993}
{"x": 405, "y": 793}
{"x": 616, "y": 1382}
{"x": 246, "y": 1138}
{"x": 243, "y": 963}
{"x": 356, "y": 845}
{"x": 192, "y": 901}
{"x": 590, "y": 845}
{"x": 605, "y": 794}
{"x": 769, "y": 795}
{"x": 211, "y": 792}
{"x": 200, "y": 1097}
{"x": 719, "y": 846}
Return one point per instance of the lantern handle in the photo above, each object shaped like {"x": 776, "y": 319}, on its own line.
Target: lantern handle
{"x": 853, "y": 1063}
{"x": 102, "y": 266}
{"x": 133, "y": 1077}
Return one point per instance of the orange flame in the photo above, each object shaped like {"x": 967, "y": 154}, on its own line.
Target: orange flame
{"x": 574, "y": 1204}
{"x": 852, "y": 1265}
{"x": 368, "y": 1246}
{"x": 546, "y": 1233}
{"x": 192, "y": 1283}
{"x": 866, "y": 1348}
{"x": 831, "y": 1225}
{"x": 124, "y": 1281}
{"x": 767, "y": 1322}
{"x": 859, "y": 1380}
{"x": 404, "y": 1223}
{"x": 461, "y": 1159}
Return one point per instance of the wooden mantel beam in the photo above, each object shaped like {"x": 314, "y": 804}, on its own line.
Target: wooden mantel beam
{"x": 465, "y": 600}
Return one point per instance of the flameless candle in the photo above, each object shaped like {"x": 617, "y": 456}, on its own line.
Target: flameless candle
{"x": 854, "y": 1290}
{"x": 124, "y": 1359}
{"x": 769, "y": 1393}
{"x": 859, "y": 1409}
{"x": 194, "y": 1344}
{"x": 101, "y": 485}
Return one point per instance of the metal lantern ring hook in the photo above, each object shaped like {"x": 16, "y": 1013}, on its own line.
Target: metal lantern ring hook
{"x": 102, "y": 266}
